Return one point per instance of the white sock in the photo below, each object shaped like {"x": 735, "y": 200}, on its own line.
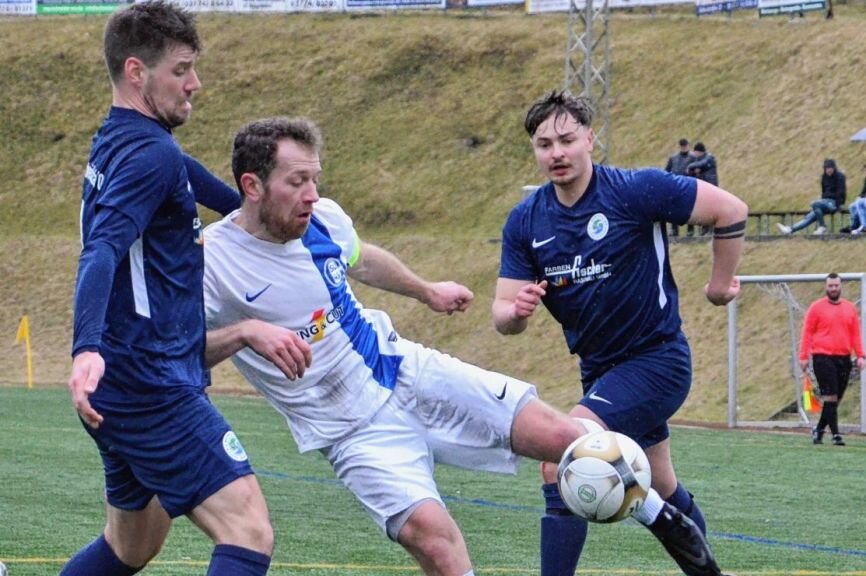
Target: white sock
{"x": 651, "y": 508}
{"x": 470, "y": 573}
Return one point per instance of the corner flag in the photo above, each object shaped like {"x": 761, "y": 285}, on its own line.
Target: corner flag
{"x": 810, "y": 403}
{"x": 24, "y": 335}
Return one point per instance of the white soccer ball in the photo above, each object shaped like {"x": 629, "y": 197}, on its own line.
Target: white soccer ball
{"x": 604, "y": 476}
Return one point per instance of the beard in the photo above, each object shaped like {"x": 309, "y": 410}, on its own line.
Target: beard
{"x": 167, "y": 118}
{"x": 276, "y": 226}
{"x": 834, "y": 296}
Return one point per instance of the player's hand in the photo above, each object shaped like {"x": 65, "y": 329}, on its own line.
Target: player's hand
{"x": 860, "y": 364}
{"x": 87, "y": 370}
{"x": 284, "y": 348}
{"x": 528, "y": 299}
{"x": 720, "y": 296}
{"x": 449, "y": 297}
{"x": 804, "y": 366}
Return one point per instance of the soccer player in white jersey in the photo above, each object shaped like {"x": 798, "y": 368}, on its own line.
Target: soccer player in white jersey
{"x": 590, "y": 245}
{"x": 381, "y": 409}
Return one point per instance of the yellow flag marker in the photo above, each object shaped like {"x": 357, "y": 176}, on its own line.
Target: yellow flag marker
{"x": 24, "y": 334}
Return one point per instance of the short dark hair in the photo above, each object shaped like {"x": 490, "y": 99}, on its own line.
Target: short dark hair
{"x": 558, "y": 104}
{"x": 699, "y": 147}
{"x": 146, "y": 31}
{"x": 255, "y": 146}
{"x": 831, "y": 276}
{"x": 684, "y": 142}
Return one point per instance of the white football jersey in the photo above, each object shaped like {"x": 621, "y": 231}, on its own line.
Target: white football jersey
{"x": 301, "y": 285}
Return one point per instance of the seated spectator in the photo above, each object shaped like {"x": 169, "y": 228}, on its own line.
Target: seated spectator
{"x": 677, "y": 164}
{"x": 857, "y": 210}
{"x": 832, "y": 197}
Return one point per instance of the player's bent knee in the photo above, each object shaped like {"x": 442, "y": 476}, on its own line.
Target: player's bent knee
{"x": 238, "y": 515}
{"x": 431, "y": 533}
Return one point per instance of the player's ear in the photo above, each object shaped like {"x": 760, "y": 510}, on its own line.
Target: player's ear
{"x": 252, "y": 186}
{"x": 134, "y": 71}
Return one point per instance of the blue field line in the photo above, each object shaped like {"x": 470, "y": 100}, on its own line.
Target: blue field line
{"x": 539, "y": 510}
{"x": 790, "y": 545}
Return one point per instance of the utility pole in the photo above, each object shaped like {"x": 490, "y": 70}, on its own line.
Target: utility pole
{"x": 587, "y": 65}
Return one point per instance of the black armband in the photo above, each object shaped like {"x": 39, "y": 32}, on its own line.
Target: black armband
{"x": 735, "y": 230}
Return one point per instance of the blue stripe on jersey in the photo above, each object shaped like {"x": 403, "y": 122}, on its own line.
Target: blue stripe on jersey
{"x": 326, "y": 256}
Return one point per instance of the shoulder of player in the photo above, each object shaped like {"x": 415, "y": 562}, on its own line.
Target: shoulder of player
{"x": 331, "y": 214}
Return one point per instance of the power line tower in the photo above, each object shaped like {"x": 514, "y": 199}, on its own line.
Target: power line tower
{"x": 587, "y": 65}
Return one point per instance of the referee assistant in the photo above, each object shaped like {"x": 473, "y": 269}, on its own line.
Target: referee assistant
{"x": 831, "y": 331}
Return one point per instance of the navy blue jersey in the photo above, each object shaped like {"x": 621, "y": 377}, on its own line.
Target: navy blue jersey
{"x": 605, "y": 259}
{"x": 139, "y": 298}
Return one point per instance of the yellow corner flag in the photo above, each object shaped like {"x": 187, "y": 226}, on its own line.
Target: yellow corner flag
{"x": 810, "y": 403}
{"x": 24, "y": 335}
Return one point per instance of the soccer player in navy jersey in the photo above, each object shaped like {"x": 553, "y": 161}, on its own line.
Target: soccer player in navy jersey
{"x": 591, "y": 246}
{"x": 138, "y": 373}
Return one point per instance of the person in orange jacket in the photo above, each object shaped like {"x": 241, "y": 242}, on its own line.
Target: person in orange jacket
{"x": 831, "y": 331}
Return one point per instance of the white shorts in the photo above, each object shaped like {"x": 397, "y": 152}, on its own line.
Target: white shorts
{"x": 442, "y": 410}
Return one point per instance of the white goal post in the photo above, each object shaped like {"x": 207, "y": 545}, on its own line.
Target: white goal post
{"x": 785, "y": 279}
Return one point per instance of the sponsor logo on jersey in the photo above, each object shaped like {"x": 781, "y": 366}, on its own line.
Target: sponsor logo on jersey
{"x": 197, "y": 231}
{"x": 233, "y": 447}
{"x": 94, "y": 176}
{"x": 576, "y": 273}
{"x": 319, "y": 322}
{"x": 335, "y": 272}
{"x": 597, "y": 226}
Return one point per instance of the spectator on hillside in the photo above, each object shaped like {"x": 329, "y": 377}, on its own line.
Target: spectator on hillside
{"x": 832, "y": 197}
{"x": 677, "y": 164}
{"x": 857, "y": 210}
{"x": 679, "y": 161}
{"x": 703, "y": 168}
{"x": 704, "y": 165}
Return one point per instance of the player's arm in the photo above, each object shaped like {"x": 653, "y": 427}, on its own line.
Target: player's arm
{"x": 727, "y": 214}
{"x": 856, "y": 337}
{"x": 281, "y": 346}
{"x": 209, "y": 190}
{"x": 112, "y": 234}
{"x": 809, "y": 324}
{"x": 381, "y": 269}
{"x": 514, "y": 303}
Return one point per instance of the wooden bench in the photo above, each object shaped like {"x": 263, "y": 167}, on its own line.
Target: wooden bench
{"x": 763, "y": 224}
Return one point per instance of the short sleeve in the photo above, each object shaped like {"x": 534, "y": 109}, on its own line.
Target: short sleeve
{"x": 516, "y": 261}
{"x": 661, "y": 196}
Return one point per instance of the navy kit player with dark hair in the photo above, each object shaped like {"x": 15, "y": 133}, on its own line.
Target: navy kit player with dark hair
{"x": 138, "y": 374}
{"x": 591, "y": 246}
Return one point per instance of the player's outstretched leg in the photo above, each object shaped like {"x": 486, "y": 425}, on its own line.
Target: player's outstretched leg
{"x": 680, "y": 536}
{"x": 683, "y": 499}
{"x": 562, "y": 535}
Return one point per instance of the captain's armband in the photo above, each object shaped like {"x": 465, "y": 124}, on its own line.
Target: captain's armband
{"x": 735, "y": 230}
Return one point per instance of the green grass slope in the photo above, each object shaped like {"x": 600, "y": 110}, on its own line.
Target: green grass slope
{"x": 422, "y": 114}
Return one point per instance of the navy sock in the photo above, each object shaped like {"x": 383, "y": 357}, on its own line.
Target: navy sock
{"x": 97, "y": 559}
{"x": 228, "y": 560}
{"x": 562, "y": 535}
{"x": 682, "y": 499}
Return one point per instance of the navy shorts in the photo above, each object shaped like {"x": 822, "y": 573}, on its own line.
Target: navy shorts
{"x": 174, "y": 445}
{"x": 638, "y": 396}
